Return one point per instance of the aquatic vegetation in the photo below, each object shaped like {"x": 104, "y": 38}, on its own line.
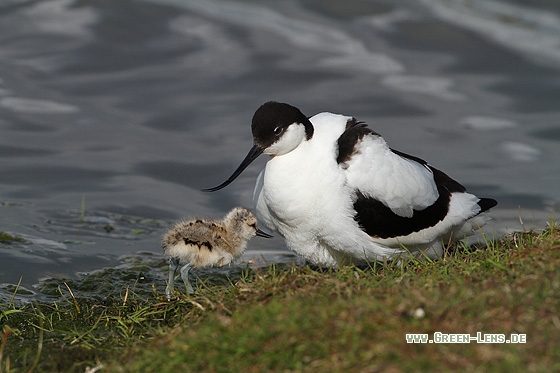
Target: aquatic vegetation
{"x": 7, "y": 238}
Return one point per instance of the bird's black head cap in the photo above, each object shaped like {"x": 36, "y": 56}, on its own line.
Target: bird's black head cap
{"x": 271, "y": 120}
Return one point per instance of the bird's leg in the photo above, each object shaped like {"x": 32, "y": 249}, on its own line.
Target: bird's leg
{"x": 185, "y": 276}
{"x": 173, "y": 267}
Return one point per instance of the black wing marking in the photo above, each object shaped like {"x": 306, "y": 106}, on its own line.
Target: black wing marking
{"x": 378, "y": 220}
{"x": 486, "y": 204}
{"x": 355, "y": 131}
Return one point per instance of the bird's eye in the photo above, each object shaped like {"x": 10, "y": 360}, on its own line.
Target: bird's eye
{"x": 278, "y": 130}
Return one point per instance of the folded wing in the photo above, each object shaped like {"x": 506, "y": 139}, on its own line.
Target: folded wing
{"x": 396, "y": 194}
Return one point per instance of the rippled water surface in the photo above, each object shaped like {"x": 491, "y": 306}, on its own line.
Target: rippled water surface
{"x": 113, "y": 114}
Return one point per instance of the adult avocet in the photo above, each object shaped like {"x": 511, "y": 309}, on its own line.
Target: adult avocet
{"x": 339, "y": 194}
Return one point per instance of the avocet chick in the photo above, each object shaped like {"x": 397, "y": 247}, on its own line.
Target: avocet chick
{"x": 208, "y": 243}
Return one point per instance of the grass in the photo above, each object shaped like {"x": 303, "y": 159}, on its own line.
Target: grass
{"x": 283, "y": 318}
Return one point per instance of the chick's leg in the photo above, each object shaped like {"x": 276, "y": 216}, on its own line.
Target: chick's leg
{"x": 185, "y": 276}
{"x": 173, "y": 267}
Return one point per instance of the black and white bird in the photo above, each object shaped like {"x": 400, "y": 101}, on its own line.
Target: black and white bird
{"x": 207, "y": 243}
{"x": 339, "y": 194}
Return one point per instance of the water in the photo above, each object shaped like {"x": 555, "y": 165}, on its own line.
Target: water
{"x": 131, "y": 107}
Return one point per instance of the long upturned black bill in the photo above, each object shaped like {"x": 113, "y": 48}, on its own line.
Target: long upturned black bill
{"x": 251, "y": 156}
{"x": 262, "y": 234}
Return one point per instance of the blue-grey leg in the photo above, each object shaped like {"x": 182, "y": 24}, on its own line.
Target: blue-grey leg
{"x": 185, "y": 277}
{"x": 173, "y": 267}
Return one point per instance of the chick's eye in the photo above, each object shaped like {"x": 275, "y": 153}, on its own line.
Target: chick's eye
{"x": 278, "y": 130}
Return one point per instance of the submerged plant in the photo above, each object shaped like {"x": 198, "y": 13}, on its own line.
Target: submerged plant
{"x": 8, "y": 238}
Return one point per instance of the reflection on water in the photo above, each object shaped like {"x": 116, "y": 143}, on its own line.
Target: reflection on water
{"x": 134, "y": 106}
